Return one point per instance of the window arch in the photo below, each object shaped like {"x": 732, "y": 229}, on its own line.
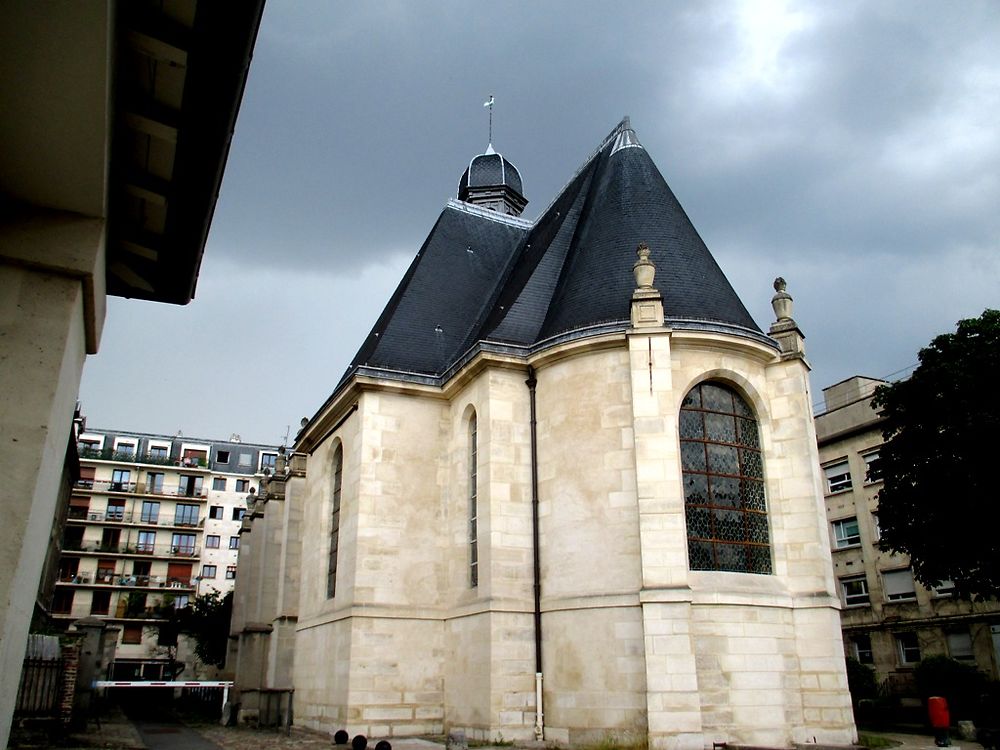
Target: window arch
{"x": 473, "y": 501}
{"x": 723, "y": 474}
{"x": 338, "y": 480}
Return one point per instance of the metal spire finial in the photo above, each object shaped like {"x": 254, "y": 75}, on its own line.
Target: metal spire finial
{"x": 489, "y": 105}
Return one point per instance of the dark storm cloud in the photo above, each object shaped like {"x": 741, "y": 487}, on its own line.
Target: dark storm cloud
{"x": 851, "y": 147}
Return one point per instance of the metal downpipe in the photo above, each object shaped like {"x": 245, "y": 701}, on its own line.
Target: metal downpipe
{"x": 531, "y": 382}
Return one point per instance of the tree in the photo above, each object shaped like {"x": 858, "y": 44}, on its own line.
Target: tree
{"x": 206, "y": 620}
{"x": 939, "y": 502}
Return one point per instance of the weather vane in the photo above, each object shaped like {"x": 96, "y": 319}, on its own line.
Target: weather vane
{"x": 489, "y": 105}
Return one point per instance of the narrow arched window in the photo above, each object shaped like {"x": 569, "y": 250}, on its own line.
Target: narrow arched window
{"x": 473, "y": 503}
{"x": 338, "y": 475}
{"x": 723, "y": 474}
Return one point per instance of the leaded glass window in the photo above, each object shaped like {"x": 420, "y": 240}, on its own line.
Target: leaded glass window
{"x": 473, "y": 503}
{"x": 338, "y": 476}
{"x": 723, "y": 474}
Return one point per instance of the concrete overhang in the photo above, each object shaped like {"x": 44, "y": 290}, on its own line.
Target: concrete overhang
{"x": 125, "y": 112}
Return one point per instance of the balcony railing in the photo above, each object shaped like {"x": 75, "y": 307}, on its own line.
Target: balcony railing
{"x": 132, "y": 581}
{"x": 131, "y": 457}
{"x": 143, "y": 519}
{"x": 107, "y": 485}
{"x": 135, "y": 548}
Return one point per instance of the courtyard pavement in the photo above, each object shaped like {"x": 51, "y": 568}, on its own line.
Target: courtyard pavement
{"x": 118, "y": 732}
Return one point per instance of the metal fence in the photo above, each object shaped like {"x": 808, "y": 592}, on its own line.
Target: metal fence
{"x": 40, "y": 691}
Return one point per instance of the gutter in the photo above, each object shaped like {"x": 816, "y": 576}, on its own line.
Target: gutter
{"x": 531, "y": 382}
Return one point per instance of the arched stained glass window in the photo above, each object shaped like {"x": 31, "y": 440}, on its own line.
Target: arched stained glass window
{"x": 338, "y": 477}
{"x": 723, "y": 474}
{"x": 473, "y": 503}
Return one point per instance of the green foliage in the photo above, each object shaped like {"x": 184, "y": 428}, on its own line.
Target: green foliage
{"x": 206, "y": 620}
{"x": 861, "y": 681}
{"x": 960, "y": 684}
{"x": 938, "y": 501}
{"x": 624, "y": 741}
{"x": 875, "y": 741}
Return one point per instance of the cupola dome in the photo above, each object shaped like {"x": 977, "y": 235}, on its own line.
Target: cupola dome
{"x": 491, "y": 181}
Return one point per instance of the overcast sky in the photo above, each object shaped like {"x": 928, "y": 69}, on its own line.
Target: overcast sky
{"x": 851, "y": 147}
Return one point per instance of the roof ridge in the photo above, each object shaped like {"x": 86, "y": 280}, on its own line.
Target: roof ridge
{"x": 489, "y": 213}
{"x": 623, "y": 124}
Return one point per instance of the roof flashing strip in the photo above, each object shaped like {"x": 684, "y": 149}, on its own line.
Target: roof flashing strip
{"x": 488, "y": 213}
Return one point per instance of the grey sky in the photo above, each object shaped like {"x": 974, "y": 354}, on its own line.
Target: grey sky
{"x": 850, "y": 147}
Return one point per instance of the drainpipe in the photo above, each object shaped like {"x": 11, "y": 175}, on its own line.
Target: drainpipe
{"x": 539, "y": 713}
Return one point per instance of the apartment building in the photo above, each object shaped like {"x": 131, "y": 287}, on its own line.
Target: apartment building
{"x": 889, "y": 620}
{"x": 153, "y": 521}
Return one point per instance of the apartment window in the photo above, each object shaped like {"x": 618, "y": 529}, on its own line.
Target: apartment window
{"x": 245, "y": 459}
{"x": 854, "y": 590}
{"x": 238, "y": 514}
{"x": 945, "y": 588}
{"x": 186, "y": 515}
{"x": 216, "y": 512}
{"x": 338, "y": 479}
{"x": 242, "y": 485}
{"x": 873, "y": 467}
{"x": 105, "y": 571}
{"x": 222, "y": 457}
{"x": 960, "y": 646}
{"x": 154, "y": 483}
{"x": 159, "y": 452}
{"x": 230, "y": 572}
{"x": 838, "y": 477}
{"x": 268, "y": 461}
{"x": 125, "y": 447}
{"x": 88, "y": 447}
{"x": 846, "y": 533}
{"x": 208, "y": 571}
{"x": 908, "y": 648}
{"x": 182, "y": 544}
{"x": 150, "y": 511}
{"x": 181, "y": 601}
{"x": 120, "y": 480}
{"x": 146, "y": 542}
{"x": 194, "y": 456}
{"x": 898, "y": 585}
{"x": 876, "y": 529}
{"x": 234, "y": 542}
{"x": 100, "y": 602}
{"x": 189, "y": 486}
{"x": 62, "y": 601}
{"x": 723, "y": 475}
{"x": 132, "y": 634}
{"x": 861, "y": 646}
{"x": 212, "y": 541}
{"x": 115, "y": 510}
{"x": 219, "y": 484}
{"x": 474, "y": 501}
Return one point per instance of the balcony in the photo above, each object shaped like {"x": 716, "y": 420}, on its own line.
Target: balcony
{"x": 139, "y": 519}
{"x": 130, "y": 457}
{"x": 134, "y": 548}
{"x": 133, "y": 488}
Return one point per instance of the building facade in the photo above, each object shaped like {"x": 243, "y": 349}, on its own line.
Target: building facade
{"x": 153, "y": 521}
{"x": 890, "y": 622}
{"x": 114, "y": 145}
{"x": 567, "y": 490}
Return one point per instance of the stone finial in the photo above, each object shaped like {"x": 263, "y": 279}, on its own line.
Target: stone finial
{"x": 647, "y": 304}
{"x": 784, "y": 330}
{"x": 643, "y": 270}
{"x": 781, "y": 301}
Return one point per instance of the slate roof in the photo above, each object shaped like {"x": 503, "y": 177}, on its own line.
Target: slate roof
{"x": 485, "y": 277}
{"x": 489, "y": 169}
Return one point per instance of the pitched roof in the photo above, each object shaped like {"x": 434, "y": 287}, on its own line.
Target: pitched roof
{"x": 484, "y": 276}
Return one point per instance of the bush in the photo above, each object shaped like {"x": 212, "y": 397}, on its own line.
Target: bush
{"x": 960, "y": 684}
{"x": 861, "y": 681}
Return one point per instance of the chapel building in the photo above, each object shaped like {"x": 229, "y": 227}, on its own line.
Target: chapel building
{"x": 566, "y": 490}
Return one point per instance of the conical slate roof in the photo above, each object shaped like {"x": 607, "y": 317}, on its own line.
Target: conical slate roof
{"x": 482, "y": 276}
